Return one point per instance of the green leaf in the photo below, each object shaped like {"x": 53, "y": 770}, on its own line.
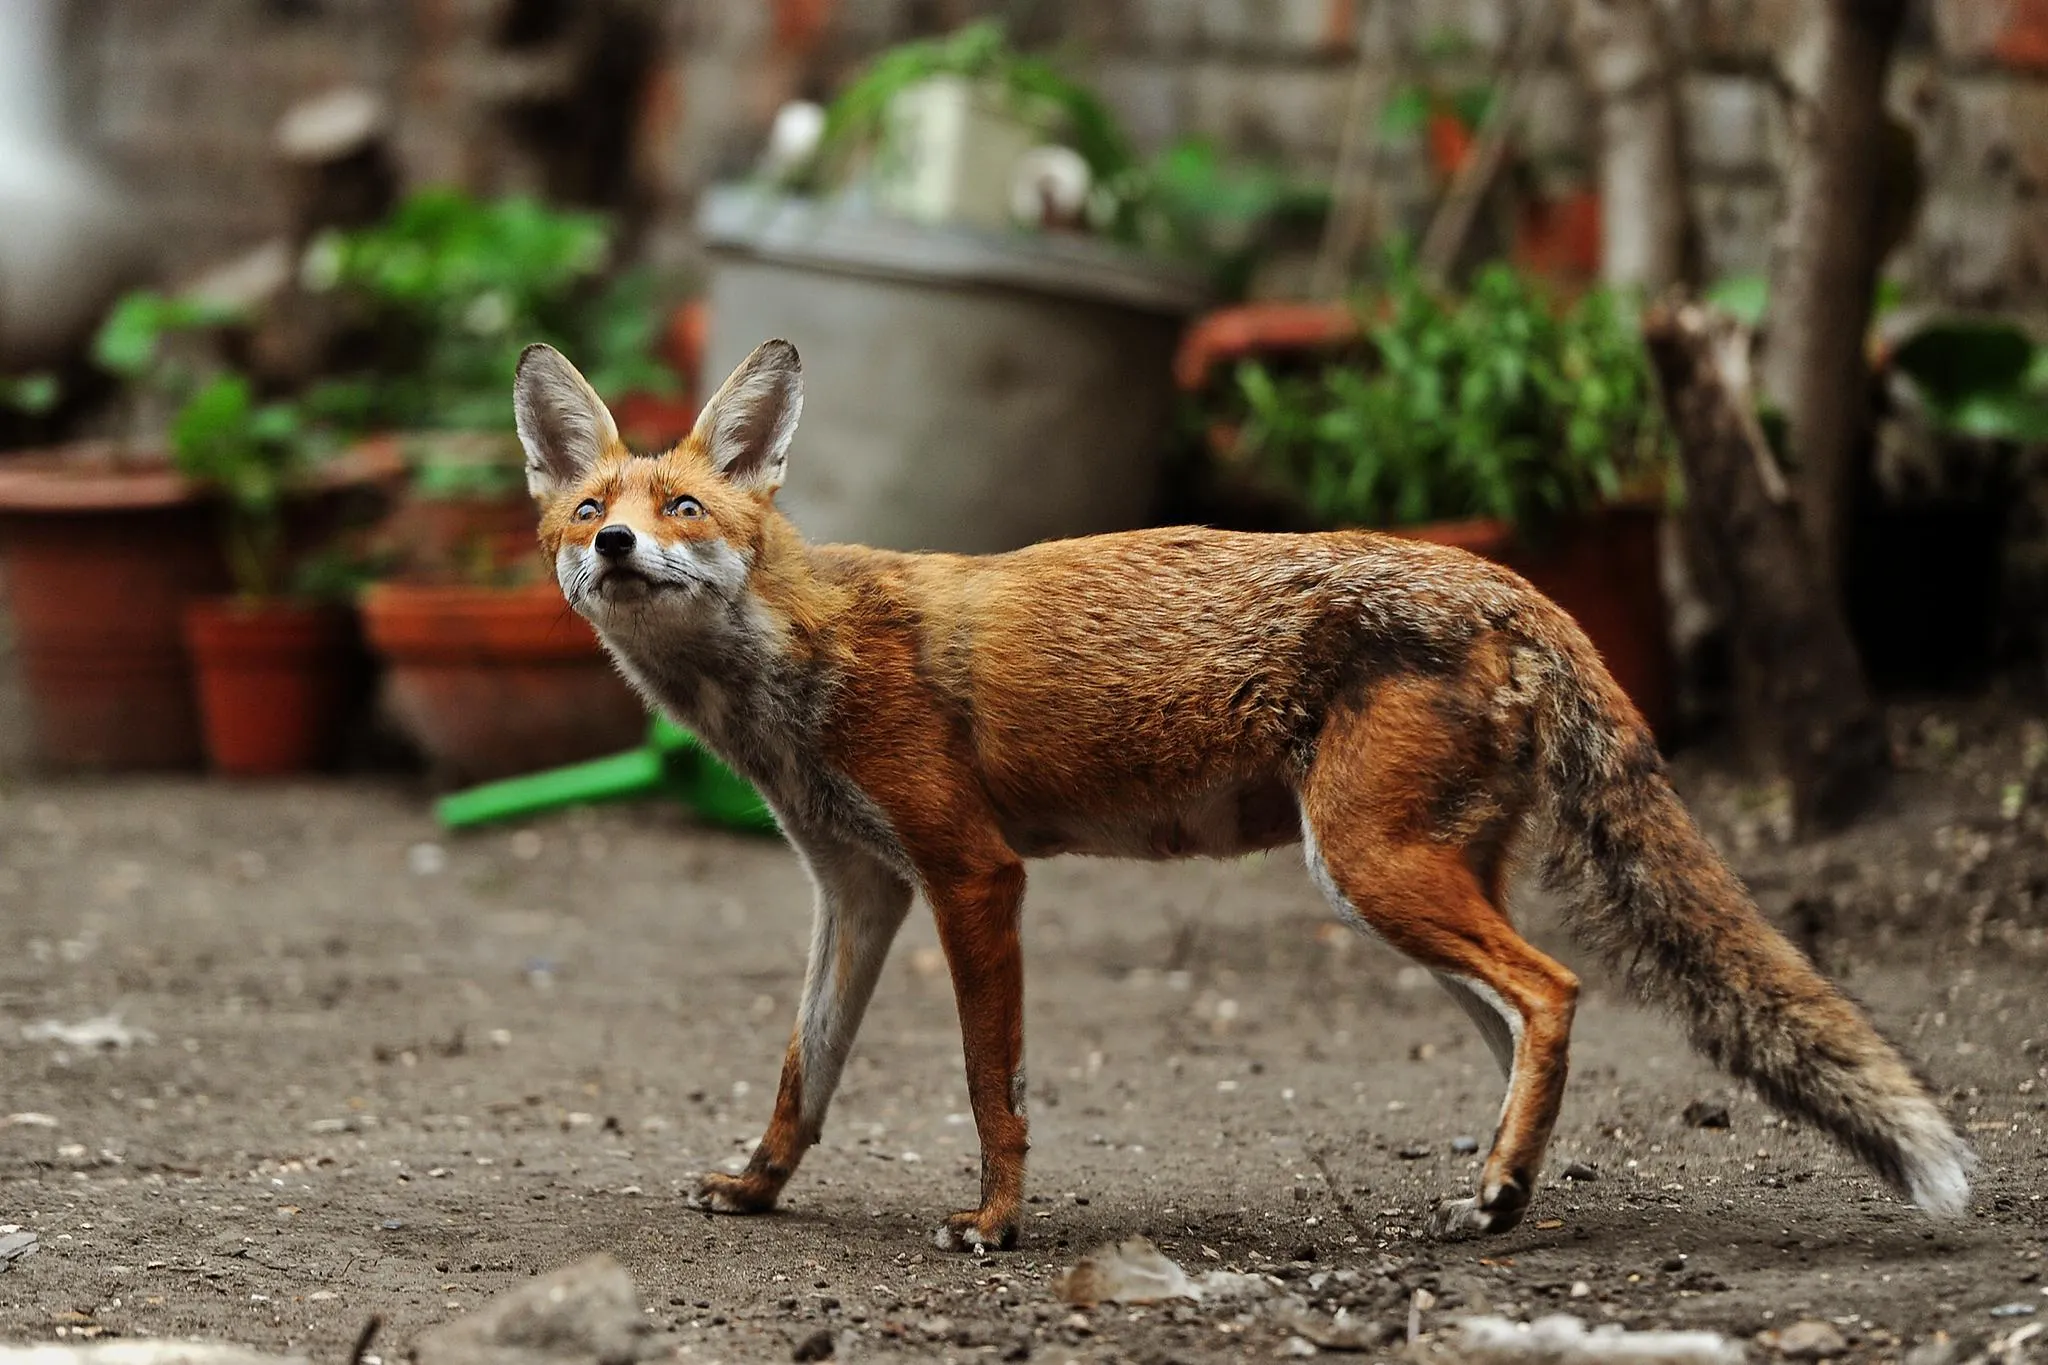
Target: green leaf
{"x": 1953, "y": 360}
{"x": 1406, "y": 114}
{"x": 1743, "y": 297}
{"x": 34, "y": 393}
{"x": 2015, "y": 415}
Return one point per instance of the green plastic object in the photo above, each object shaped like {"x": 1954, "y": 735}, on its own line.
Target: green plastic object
{"x": 670, "y": 764}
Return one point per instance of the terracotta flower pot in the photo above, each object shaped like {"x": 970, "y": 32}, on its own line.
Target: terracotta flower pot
{"x": 493, "y": 682}
{"x": 100, "y": 556}
{"x": 1260, "y": 331}
{"x": 275, "y": 680}
{"x": 99, "y": 563}
{"x": 1603, "y": 570}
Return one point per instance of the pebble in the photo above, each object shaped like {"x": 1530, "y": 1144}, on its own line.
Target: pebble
{"x": 1581, "y": 1290}
{"x": 16, "y": 1245}
{"x": 1296, "y": 1348}
{"x": 819, "y": 1345}
{"x": 1464, "y": 1144}
{"x": 426, "y": 860}
{"x": 1412, "y": 1153}
{"x": 1579, "y": 1170}
{"x": 2013, "y": 1310}
{"x": 1811, "y": 1339}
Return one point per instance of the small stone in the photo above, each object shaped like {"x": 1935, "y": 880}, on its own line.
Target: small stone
{"x": 17, "y": 1246}
{"x": 1464, "y": 1144}
{"x": 426, "y": 860}
{"x": 819, "y": 1345}
{"x": 1672, "y": 1264}
{"x": 1939, "y": 1349}
{"x": 1706, "y": 1114}
{"x": 392, "y": 1224}
{"x": 1581, "y": 1290}
{"x": 1580, "y": 1170}
{"x": 2013, "y": 1310}
{"x": 1296, "y": 1348}
{"x": 1811, "y": 1339}
{"x": 586, "y": 1311}
{"x": 1412, "y": 1153}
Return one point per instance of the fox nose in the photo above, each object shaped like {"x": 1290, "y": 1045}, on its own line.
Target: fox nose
{"x": 614, "y": 541}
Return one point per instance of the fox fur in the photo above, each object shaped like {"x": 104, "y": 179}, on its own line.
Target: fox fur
{"x": 1414, "y": 716}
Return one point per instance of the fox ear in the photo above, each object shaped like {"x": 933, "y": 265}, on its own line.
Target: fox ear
{"x": 563, "y": 424}
{"x": 746, "y": 428}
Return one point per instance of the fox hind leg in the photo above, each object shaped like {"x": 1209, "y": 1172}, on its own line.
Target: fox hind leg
{"x": 1379, "y": 848}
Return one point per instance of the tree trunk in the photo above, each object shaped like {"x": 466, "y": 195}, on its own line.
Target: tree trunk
{"x": 1824, "y": 267}
{"x": 1623, "y": 51}
{"x": 1791, "y": 642}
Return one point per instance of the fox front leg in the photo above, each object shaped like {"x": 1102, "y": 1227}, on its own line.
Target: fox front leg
{"x": 860, "y": 905}
{"x": 977, "y": 909}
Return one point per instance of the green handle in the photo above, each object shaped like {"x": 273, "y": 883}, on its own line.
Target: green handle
{"x": 636, "y": 772}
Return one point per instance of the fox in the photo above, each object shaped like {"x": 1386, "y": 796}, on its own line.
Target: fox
{"x": 1421, "y": 721}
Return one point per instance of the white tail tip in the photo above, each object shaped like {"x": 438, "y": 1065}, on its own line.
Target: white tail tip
{"x": 1938, "y": 1165}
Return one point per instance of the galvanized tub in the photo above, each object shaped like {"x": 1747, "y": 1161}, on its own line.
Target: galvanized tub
{"x": 963, "y": 390}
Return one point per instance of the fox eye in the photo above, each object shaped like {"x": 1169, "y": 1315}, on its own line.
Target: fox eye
{"x": 684, "y": 506}
{"x": 590, "y": 509}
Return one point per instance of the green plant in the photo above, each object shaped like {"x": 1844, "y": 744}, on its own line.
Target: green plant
{"x": 130, "y": 345}
{"x": 1031, "y": 87}
{"x": 1188, "y": 202}
{"x": 1496, "y": 404}
{"x": 449, "y": 289}
{"x": 251, "y": 453}
{"x": 1984, "y": 379}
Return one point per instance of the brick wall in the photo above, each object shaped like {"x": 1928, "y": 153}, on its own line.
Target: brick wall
{"x": 181, "y": 97}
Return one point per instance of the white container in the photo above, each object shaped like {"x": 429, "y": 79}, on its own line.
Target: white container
{"x": 69, "y": 240}
{"x": 948, "y": 150}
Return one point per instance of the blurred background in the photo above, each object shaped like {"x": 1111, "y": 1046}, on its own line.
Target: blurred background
{"x": 1716, "y": 318}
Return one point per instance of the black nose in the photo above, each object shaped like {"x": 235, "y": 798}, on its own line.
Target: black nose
{"x": 613, "y": 541}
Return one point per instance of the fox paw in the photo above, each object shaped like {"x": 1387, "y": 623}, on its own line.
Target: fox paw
{"x": 974, "y": 1231}
{"x": 1459, "y": 1218}
{"x": 743, "y": 1193}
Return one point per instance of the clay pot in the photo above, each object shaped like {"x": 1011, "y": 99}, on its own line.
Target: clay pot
{"x": 1261, "y": 331}
{"x": 1559, "y": 238}
{"x": 275, "y": 681}
{"x": 494, "y": 682}
{"x": 99, "y": 563}
{"x": 1602, "y": 569}
{"x": 100, "y": 555}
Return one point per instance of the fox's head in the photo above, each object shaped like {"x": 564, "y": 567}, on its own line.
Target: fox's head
{"x": 679, "y": 532}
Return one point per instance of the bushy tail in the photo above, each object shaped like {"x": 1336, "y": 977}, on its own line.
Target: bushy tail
{"x": 1648, "y": 892}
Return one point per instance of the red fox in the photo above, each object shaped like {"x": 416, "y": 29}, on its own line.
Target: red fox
{"x": 1415, "y": 717}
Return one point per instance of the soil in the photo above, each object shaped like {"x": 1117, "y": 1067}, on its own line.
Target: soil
{"x": 381, "y": 1071}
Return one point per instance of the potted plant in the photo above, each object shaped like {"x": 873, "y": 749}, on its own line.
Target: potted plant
{"x": 1960, "y": 402}
{"x": 1496, "y": 421}
{"x": 1963, "y": 403}
{"x": 935, "y": 128}
{"x": 487, "y": 669}
{"x": 104, "y": 542}
{"x": 273, "y": 659}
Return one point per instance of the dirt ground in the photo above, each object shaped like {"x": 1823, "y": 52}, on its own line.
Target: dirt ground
{"x": 383, "y": 1071}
